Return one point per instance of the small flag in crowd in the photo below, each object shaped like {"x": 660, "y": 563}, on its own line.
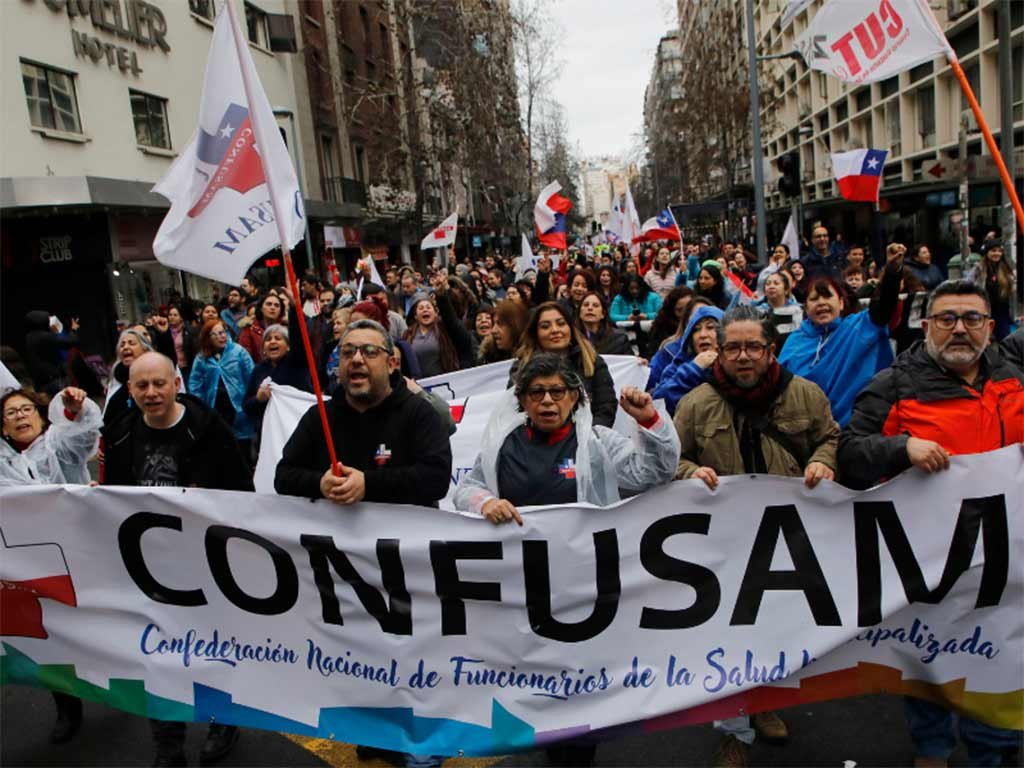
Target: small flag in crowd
{"x": 661, "y": 227}
{"x": 630, "y": 218}
{"x": 443, "y": 234}
{"x": 862, "y": 45}
{"x": 222, "y": 217}
{"x": 791, "y": 239}
{"x": 737, "y": 292}
{"x": 859, "y": 173}
{"x": 549, "y": 215}
{"x": 613, "y": 227}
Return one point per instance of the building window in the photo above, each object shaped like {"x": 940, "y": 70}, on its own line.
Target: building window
{"x": 892, "y": 127}
{"x": 972, "y": 73}
{"x": 51, "y": 98}
{"x": 256, "y": 26}
{"x": 926, "y": 115}
{"x": 360, "y": 162}
{"x": 327, "y": 150}
{"x": 202, "y": 8}
{"x": 889, "y": 87}
{"x": 364, "y": 22}
{"x": 150, "y": 116}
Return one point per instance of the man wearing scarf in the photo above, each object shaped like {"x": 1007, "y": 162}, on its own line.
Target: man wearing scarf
{"x": 753, "y": 416}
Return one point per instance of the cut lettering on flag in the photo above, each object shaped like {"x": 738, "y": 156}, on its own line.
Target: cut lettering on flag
{"x": 222, "y": 217}
{"x": 859, "y": 173}
{"x": 865, "y": 42}
{"x": 549, "y": 216}
{"x": 443, "y": 234}
{"x": 661, "y": 227}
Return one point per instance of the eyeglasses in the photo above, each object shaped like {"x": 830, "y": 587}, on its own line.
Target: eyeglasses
{"x": 536, "y": 394}
{"x": 755, "y": 350}
{"x": 368, "y": 351}
{"x": 14, "y": 413}
{"x": 947, "y": 320}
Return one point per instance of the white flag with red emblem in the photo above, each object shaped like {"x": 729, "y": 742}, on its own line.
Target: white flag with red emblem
{"x": 222, "y": 217}
{"x": 864, "y": 42}
{"x": 443, "y": 234}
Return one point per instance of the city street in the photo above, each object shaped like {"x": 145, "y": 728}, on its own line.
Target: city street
{"x": 869, "y": 731}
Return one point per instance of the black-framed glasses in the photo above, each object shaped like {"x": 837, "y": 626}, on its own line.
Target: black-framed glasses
{"x": 947, "y": 320}
{"x": 536, "y": 394}
{"x": 755, "y": 350}
{"x": 368, "y": 351}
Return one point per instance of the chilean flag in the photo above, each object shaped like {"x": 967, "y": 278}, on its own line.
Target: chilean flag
{"x": 661, "y": 227}
{"x": 859, "y": 173}
{"x": 549, "y": 214}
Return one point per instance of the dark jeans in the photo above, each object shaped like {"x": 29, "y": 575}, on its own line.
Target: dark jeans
{"x": 931, "y": 729}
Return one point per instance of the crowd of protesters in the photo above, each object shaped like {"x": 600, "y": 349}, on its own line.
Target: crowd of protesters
{"x": 834, "y": 364}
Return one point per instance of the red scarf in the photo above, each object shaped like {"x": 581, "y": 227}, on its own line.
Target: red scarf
{"x": 758, "y": 397}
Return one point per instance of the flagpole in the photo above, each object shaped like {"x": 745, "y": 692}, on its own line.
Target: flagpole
{"x": 279, "y": 221}
{"x": 1004, "y": 174}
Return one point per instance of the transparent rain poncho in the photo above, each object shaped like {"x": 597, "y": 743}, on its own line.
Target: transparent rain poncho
{"x": 59, "y": 454}
{"x": 606, "y": 460}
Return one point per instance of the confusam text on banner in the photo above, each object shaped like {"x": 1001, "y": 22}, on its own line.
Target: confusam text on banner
{"x": 222, "y": 217}
{"x": 864, "y": 42}
{"x": 423, "y": 631}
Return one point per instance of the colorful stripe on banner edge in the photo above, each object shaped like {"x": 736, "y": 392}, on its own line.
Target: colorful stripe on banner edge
{"x": 400, "y": 729}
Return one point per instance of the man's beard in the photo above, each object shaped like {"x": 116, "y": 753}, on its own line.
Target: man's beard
{"x": 957, "y": 359}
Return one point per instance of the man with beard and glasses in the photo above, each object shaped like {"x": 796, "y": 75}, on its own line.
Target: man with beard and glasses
{"x": 753, "y": 416}
{"x": 392, "y": 447}
{"x": 950, "y": 394}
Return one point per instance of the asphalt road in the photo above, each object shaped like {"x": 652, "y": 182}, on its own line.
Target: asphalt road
{"x": 868, "y": 731}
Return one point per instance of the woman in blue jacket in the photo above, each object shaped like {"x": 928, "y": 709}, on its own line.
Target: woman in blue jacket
{"x": 684, "y": 361}
{"x": 841, "y": 352}
{"x": 220, "y": 375}
{"x": 636, "y": 301}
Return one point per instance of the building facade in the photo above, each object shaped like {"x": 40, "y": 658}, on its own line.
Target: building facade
{"x": 916, "y": 116}
{"x": 100, "y": 96}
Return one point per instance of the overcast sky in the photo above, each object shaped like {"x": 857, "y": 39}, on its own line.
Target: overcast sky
{"x": 607, "y": 51}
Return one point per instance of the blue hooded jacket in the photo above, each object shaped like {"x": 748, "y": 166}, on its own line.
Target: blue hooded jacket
{"x": 235, "y": 368}
{"x": 673, "y": 372}
{"x": 840, "y": 357}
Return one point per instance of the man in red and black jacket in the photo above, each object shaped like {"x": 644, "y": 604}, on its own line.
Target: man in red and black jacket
{"x": 950, "y": 394}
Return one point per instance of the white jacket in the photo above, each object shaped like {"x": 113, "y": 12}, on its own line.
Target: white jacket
{"x": 606, "y": 460}
{"x": 57, "y": 456}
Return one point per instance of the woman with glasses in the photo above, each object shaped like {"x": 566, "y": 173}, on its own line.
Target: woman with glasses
{"x": 44, "y": 446}
{"x": 541, "y": 446}
{"x": 220, "y": 375}
{"x": 840, "y": 351}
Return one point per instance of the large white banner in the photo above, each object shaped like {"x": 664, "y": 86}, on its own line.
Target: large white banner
{"x": 472, "y": 396}
{"x": 425, "y": 631}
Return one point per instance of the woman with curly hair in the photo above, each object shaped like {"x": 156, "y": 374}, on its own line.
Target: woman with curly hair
{"x": 220, "y": 376}
{"x": 510, "y": 320}
{"x": 270, "y": 310}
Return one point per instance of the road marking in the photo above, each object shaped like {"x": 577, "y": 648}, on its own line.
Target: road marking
{"x": 338, "y": 755}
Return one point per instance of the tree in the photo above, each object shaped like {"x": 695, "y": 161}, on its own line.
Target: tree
{"x": 535, "y": 35}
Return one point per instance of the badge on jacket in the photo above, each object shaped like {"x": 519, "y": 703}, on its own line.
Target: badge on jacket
{"x": 567, "y": 469}
{"x": 382, "y": 456}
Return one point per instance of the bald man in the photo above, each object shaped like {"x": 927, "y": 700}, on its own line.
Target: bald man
{"x": 172, "y": 439}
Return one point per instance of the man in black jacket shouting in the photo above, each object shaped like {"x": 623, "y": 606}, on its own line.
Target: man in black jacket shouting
{"x": 392, "y": 446}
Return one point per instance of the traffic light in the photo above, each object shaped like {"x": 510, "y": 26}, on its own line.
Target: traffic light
{"x": 789, "y": 168}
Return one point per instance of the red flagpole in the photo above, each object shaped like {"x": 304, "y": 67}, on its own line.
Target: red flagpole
{"x": 240, "y": 46}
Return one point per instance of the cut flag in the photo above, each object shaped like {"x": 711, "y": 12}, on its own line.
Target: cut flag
{"x": 661, "y": 227}
{"x": 863, "y": 43}
{"x": 549, "y": 216}
{"x": 443, "y": 234}
{"x": 528, "y": 259}
{"x": 630, "y": 218}
{"x": 791, "y": 239}
{"x": 222, "y": 217}
{"x": 859, "y": 173}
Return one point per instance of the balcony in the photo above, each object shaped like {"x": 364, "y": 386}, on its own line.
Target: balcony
{"x": 339, "y": 189}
